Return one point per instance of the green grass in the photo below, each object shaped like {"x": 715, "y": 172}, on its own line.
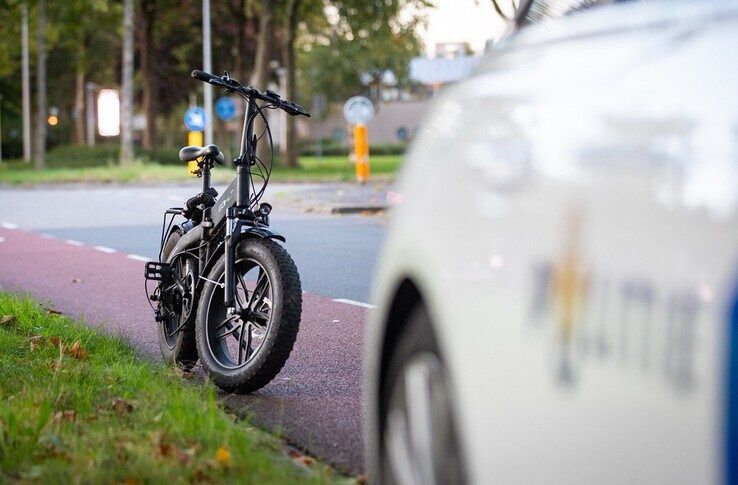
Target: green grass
{"x": 103, "y": 415}
{"x": 311, "y": 169}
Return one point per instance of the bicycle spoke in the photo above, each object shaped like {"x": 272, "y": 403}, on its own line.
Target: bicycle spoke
{"x": 245, "y": 290}
{"x": 225, "y": 322}
{"x": 257, "y": 296}
{"x": 259, "y": 318}
{"x": 244, "y": 343}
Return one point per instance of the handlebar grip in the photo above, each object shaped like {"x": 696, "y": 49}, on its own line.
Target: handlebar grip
{"x": 294, "y": 109}
{"x": 204, "y": 76}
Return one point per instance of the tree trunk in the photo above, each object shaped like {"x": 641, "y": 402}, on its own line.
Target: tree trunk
{"x": 261, "y": 64}
{"x": 126, "y": 112}
{"x": 260, "y": 78}
{"x": 289, "y": 150}
{"x": 39, "y": 156}
{"x": 150, "y": 87}
{"x": 79, "y": 107}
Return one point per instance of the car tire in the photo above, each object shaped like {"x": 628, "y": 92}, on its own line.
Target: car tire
{"x": 419, "y": 442}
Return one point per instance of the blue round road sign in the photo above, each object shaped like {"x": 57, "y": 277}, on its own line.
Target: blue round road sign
{"x": 225, "y": 108}
{"x": 195, "y": 119}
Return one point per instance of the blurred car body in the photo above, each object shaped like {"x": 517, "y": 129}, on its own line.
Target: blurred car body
{"x": 555, "y": 294}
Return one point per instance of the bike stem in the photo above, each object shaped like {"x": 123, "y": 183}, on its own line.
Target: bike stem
{"x": 235, "y": 215}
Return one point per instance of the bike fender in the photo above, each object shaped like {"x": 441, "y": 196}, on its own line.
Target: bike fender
{"x": 262, "y": 232}
{"x": 189, "y": 240}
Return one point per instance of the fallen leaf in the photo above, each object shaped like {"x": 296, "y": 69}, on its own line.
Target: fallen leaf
{"x": 55, "y": 341}
{"x": 54, "y": 312}
{"x": 178, "y": 454}
{"x": 7, "y": 320}
{"x": 66, "y": 415}
{"x": 36, "y": 341}
{"x": 122, "y": 407}
{"x": 300, "y": 458}
{"x": 223, "y": 456}
{"x": 362, "y": 479}
{"x": 76, "y": 280}
{"x": 131, "y": 481}
{"x": 77, "y": 351}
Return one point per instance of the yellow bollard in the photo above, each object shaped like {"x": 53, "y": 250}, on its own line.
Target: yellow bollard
{"x": 361, "y": 153}
{"x": 194, "y": 139}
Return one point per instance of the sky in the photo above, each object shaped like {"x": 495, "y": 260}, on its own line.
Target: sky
{"x": 461, "y": 21}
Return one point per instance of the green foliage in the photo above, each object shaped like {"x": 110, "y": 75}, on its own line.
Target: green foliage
{"x": 71, "y": 164}
{"x": 78, "y": 406}
{"x": 348, "y": 52}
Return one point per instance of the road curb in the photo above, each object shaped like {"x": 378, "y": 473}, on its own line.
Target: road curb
{"x": 358, "y": 209}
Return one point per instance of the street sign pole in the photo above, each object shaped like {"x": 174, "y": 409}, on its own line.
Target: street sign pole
{"x": 361, "y": 153}
{"x": 196, "y": 122}
{"x": 207, "y": 62}
{"x": 358, "y": 111}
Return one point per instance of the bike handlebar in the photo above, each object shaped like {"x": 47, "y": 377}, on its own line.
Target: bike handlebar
{"x": 269, "y": 96}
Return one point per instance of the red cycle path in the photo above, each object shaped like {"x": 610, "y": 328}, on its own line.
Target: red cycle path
{"x": 315, "y": 401}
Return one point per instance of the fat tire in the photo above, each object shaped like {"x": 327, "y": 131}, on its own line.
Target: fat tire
{"x": 284, "y": 325}
{"x": 184, "y": 352}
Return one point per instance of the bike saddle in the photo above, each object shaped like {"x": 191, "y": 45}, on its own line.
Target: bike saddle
{"x": 187, "y": 154}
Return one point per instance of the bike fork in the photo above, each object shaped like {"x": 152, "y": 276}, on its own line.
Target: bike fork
{"x": 229, "y": 290}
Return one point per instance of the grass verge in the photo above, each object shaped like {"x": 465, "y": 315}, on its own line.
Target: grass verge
{"x": 311, "y": 169}
{"x": 77, "y": 405}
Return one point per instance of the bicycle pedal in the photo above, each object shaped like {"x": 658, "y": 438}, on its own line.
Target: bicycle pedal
{"x": 158, "y": 271}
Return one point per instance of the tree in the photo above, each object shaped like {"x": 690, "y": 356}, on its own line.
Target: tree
{"x": 126, "y": 115}
{"x": 40, "y": 154}
{"x": 350, "y": 53}
{"x": 289, "y": 150}
{"x": 149, "y": 77}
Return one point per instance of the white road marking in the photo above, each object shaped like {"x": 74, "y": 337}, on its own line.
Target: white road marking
{"x": 104, "y": 249}
{"x": 8, "y": 225}
{"x": 73, "y": 242}
{"x": 2, "y": 239}
{"x": 175, "y": 198}
{"x": 354, "y": 302}
{"x": 136, "y": 257}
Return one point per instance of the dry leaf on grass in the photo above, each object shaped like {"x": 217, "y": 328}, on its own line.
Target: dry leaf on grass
{"x": 36, "y": 341}
{"x": 121, "y": 407}
{"x": 300, "y": 458}
{"x": 7, "y": 320}
{"x": 223, "y": 456}
{"x": 173, "y": 451}
{"x": 51, "y": 311}
{"x": 66, "y": 415}
{"x": 55, "y": 341}
{"x": 77, "y": 351}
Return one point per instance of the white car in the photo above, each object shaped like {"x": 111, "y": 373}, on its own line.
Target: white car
{"x": 559, "y": 283}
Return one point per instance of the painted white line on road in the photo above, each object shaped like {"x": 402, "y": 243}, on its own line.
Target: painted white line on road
{"x": 136, "y": 257}
{"x": 73, "y": 242}
{"x": 8, "y": 225}
{"x": 354, "y": 302}
{"x": 104, "y": 249}
{"x": 2, "y": 239}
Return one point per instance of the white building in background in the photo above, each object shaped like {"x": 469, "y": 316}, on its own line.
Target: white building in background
{"x": 399, "y": 112}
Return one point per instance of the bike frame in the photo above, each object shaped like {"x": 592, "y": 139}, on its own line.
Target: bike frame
{"x": 240, "y": 221}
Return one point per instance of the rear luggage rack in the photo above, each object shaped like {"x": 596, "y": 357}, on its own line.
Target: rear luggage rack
{"x": 158, "y": 271}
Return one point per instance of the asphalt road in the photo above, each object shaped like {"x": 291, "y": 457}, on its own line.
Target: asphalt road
{"x": 74, "y": 248}
{"x": 335, "y": 255}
